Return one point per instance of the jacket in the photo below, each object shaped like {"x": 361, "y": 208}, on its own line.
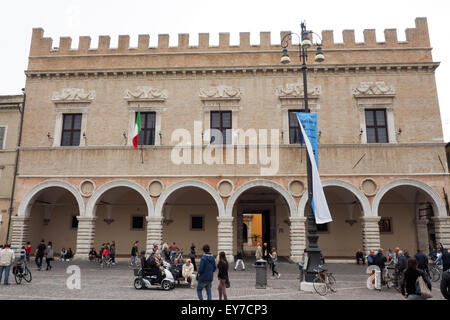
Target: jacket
{"x": 206, "y": 269}
{"x": 188, "y": 270}
{"x": 410, "y": 278}
{"x": 402, "y": 261}
{"x": 49, "y": 252}
{"x": 422, "y": 260}
{"x": 7, "y": 257}
{"x": 445, "y": 285}
{"x": 258, "y": 253}
{"x": 223, "y": 270}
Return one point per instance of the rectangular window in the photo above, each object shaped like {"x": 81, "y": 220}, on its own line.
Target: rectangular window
{"x": 137, "y": 223}
{"x": 221, "y": 121}
{"x": 71, "y": 130}
{"x": 376, "y": 126}
{"x": 147, "y": 134}
{"x": 197, "y": 223}
{"x": 2, "y": 137}
{"x": 294, "y": 127}
{"x": 74, "y": 222}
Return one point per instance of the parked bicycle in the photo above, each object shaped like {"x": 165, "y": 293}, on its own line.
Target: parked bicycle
{"x": 324, "y": 281}
{"x": 435, "y": 272}
{"x": 21, "y": 271}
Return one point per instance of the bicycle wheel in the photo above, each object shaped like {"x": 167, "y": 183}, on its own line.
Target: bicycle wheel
{"x": 332, "y": 283}
{"x": 320, "y": 286}
{"x": 389, "y": 282}
{"x": 18, "y": 278}
{"x": 27, "y": 275}
{"x": 435, "y": 274}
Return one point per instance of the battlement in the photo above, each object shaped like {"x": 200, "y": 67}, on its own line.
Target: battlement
{"x": 417, "y": 37}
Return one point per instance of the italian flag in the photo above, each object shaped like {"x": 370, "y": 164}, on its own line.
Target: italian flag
{"x": 137, "y": 129}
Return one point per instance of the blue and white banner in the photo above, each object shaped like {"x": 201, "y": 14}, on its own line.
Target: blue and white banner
{"x": 321, "y": 210}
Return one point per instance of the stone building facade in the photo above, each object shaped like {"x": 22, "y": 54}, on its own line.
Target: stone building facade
{"x": 82, "y": 183}
{"x": 9, "y": 137}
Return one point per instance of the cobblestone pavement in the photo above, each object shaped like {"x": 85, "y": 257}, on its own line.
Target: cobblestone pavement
{"x": 117, "y": 283}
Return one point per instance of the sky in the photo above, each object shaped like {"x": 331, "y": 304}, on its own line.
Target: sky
{"x": 132, "y": 17}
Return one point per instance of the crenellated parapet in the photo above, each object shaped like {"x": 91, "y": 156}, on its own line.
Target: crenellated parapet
{"x": 104, "y": 57}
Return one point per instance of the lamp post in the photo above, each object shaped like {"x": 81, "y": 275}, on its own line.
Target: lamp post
{"x": 305, "y": 43}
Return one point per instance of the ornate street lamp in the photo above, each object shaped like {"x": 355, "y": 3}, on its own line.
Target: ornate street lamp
{"x": 305, "y": 43}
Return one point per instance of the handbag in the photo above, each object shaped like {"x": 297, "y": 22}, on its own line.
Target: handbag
{"x": 422, "y": 288}
{"x": 227, "y": 283}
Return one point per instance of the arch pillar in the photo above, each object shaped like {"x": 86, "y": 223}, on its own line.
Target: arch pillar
{"x": 85, "y": 237}
{"x": 225, "y": 237}
{"x": 442, "y": 230}
{"x": 297, "y": 238}
{"x": 370, "y": 233}
{"x": 20, "y": 231}
{"x": 422, "y": 234}
{"x": 154, "y": 232}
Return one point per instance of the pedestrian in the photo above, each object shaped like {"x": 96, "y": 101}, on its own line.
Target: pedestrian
{"x": 7, "y": 257}
{"x": 409, "y": 281}
{"x": 134, "y": 254}
{"x": 422, "y": 261}
{"x": 445, "y": 284}
{"x": 265, "y": 252}
{"x": 222, "y": 275}
{"x": 23, "y": 252}
{"x": 389, "y": 255}
{"x": 192, "y": 256}
{"x": 371, "y": 258}
{"x": 400, "y": 267}
{"x": 105, "y": 255}
{"x": 92, "y": 254}
{"x": 259, "y": 252}
{"x": 188, "y": 272}
{"x": 173, "y": 250}
{"x": 69, "y": 254}
{"x": 395, "y": 256}
{"x": 440, "y": 247}
{"x": 28, "y": 251}
{"x": 39, "y": 254}
{"x": 274, "y": 258}
{"x": 360, "y": 257}
{"x": 205, "y": 273}
{"x": 49, "y": 255}
{"x": 239, "y": 260}
{"x": 112, "y": 252}
{"x": 444, "y": 258}
{"x": 380, "y": 261}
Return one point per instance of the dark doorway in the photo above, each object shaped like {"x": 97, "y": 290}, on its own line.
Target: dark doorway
{"x": 244, "y": 232}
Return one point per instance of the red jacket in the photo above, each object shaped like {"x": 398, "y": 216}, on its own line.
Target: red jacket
{"x": 105, "y": 252}
{"x": 28, "y": 249}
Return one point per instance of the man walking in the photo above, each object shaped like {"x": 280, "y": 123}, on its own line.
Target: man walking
{"x": 205, "y": 273}
{"x": 39, "y": 253}
{"x": 445, "y": 284}
{"x": 6, "y": 260}
{"x": 239, "y": 259}
{"x": 134, "y": 254}
{"x": 422, "y": 261}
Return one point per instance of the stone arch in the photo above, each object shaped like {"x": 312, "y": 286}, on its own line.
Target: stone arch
{"x": 189, "y": 183}
{"x": 90, "y": 208}
{"x": 367, "y": 211}
{"x": 260, "y": 183}
{"x": 30, "y": 197}
{"x": 439, "y": 208}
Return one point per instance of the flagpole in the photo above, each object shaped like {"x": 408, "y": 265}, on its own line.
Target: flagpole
{"x": 313, "y": 250}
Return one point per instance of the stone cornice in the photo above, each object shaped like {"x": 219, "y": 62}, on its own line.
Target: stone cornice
{"x": 189, "y": 73}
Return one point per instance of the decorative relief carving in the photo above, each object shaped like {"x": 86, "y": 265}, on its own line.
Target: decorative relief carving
{"x": 295, "y": 91}
{"x": 374, "y": 89}
{"x": 145, "y": 93}
{"x": 70, "y": 95}
{"x": 220, "y": 93}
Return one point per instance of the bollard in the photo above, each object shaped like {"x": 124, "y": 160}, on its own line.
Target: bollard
{"x": 261, "y": 274}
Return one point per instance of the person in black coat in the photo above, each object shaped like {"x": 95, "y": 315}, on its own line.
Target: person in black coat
{"x": 360, "y": 257}
{"x": 409, "y": 281}
{"x": 422, "y": 261}
{"x": 222, "y": 265}
{"x": 445, "y": 285}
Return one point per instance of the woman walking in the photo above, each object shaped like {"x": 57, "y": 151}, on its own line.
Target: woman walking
{"x": 409, "y": 281}
{"x": 49, "y": 255}
{"x": 274, "y": 257}
{"x": 222, "y": 265}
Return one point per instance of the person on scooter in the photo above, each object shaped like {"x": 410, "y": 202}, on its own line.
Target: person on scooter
{"x": 154, "y": 268}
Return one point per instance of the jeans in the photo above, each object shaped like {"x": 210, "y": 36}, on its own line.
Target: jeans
{"x": 133, "y": 260}
{"x": 6, "y": 268}
{"x": 39, "y": 262}
{"x": 237, "y": 264}
{"x": 200, "y": 286}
